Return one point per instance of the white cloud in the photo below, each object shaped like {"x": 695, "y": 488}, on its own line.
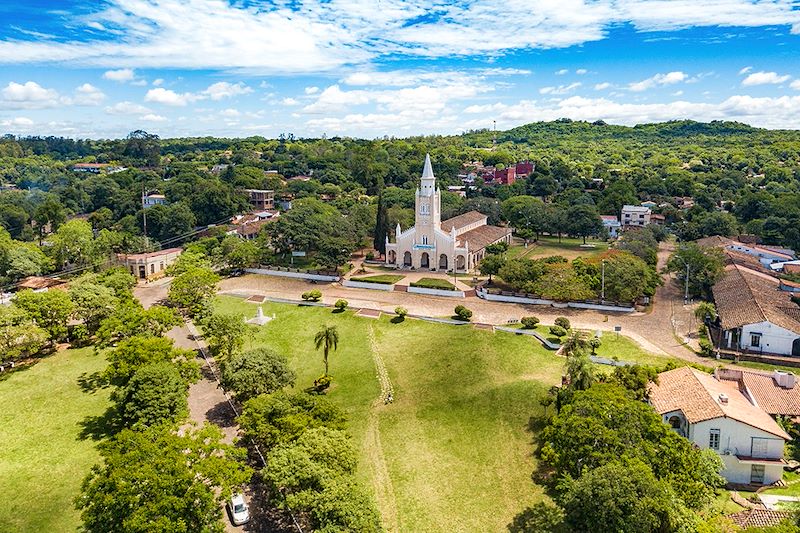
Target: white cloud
{"x": 602, "y": 86}
{"x": 158, "y": 82}
{"x": 561, "y": 89}
{"x": 795, "y": 85}
{"x": 223, "y": 89}
{"x": 289, "y": 101}
{"x": 677, "y": 93}
{"x": 659, "y": 79}
{"x": 150, "y": 117}
{"x": 487, "y": 108}
{"x": 323, "y": 35}
{"x": 17, "y": 122}
{"x": 311, "y": 90}
{"x": 127, "y": 108}
{"x": 764, "y": 78}
{"x": 561, "y": 72}
{"x": 120, "y": 75}
{"x": 160, "y": 95}
{"x": 230, "y": 113}
{"x": 745, "y": 70}
{"x": 88, "y": 95}
{"x": 28, "y": 95}
{"x": 581, "y": 71}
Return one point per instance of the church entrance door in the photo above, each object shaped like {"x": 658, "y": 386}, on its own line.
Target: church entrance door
{"x": 443, "y": 262}
{"x": 407, "y": 259}
{"x": 425, "y": 260}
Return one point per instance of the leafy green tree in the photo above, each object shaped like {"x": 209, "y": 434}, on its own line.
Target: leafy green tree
{"x": 525, "y": 213}
{"x": 19, "y": 336}
{"x": 224, "y": 333}
{"x": 627, "y": 277}
{"x": 92, "y": 302}
{"x": 50, "y": 310}
{"x": 193, "y": 289}
{"x": 156, "y": 394}
{"x": 130, "y": 319}
{"x": 135, "y": 352}
{"x": 705, "y": 267}
{"x": 242, "y": 254}
{"x": 22, "y": 259}
{"x": 560, "y": 282}
{"x": 341, "y": 505}
{"x": 259, "y": 371}
{"x": 381, "y": 225}
{"x": 271, "y": 419}
{"x": 73, "y": 243}
{"x": 705, "y": 310}
{"x": 491, "y": 265}
{"x": 580, "y": 370}
{"x": 635, "y": 379}
{"x": 641, "y": 243}
{"x": 584, "y": 221}
{"x": 159, "y": 481}
{"x": 463, "y": 313}
{"x": 327, "y": 339}
{"x": 188, "y": 260}
{"x": 621, "y": 496}
{"x": 541, "y": 517}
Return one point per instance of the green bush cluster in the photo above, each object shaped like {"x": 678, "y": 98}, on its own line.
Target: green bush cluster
{"x": 313, "y": 295}
{"x": 529, "y": 322}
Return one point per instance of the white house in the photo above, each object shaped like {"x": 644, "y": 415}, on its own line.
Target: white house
{"x": 612, "y": 224}
{"x": 153, "y": 199}
{"x": 715, "y": 415}
{"x": 635, "y": 215}
{"x": 431, "y": 244}
{"x": 755, "y": 314}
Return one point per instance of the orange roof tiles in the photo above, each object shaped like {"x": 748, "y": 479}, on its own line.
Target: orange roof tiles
{"x": 470, "y": 217}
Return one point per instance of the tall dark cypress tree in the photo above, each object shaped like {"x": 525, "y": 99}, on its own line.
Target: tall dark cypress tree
{"x": 381, "y": 222}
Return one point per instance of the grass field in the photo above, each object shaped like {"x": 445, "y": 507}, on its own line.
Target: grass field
{"x": 568, "y": 247}
{"x": 433, "y": 283}
{"x": 386, "y": 279}
{"x": 453, "y": 452}
{"x": 43, "y": 455}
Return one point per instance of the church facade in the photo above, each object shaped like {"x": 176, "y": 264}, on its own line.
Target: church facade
{"x": 431, "y": 244}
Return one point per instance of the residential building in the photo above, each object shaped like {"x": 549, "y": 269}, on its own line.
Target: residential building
{"x": 776, "y": 392}
{"x": 635, "y": 215}
{"x": 612, "y": 224}
{"x": 715, "y": 415}
{"x": 435, "y": 245}
{"x": 261, "y": 198}
{"x": 149, "y": 265}
{"x": 219, "y": 169}
{"x": 248, "y": 226}
{"x": 657, "y": 219}
{"x": 525, "y": 168}
{"x": 755, "y": 315}
{"x": 505, "y": 176}
{"x": 458, "y": 189}
{"x": 649, "y": 204}
{"x": 97, "y": 168}
{"x": 41, "y": 284}
{"x": 153, "y": 199}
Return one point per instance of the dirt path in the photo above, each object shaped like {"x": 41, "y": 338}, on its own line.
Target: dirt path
{"x": 381, "y": 479}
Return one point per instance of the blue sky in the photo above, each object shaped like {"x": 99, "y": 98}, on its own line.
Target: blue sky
{"x": 371, "y": 68}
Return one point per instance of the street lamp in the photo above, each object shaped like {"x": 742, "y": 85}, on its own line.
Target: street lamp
{"x": 686, "y": 290}
{"x": 603, "y": 281}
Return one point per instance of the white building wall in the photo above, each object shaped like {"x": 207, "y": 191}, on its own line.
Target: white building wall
{"x": 774, "y": 339}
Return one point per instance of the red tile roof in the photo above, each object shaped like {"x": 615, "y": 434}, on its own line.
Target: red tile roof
{"x": 766, "y": 392}
{"x": 481, "y": 237}
{"x": 759, "y": 517}
{"x": 697, "y": 395}
{"x": 460, "y": 221}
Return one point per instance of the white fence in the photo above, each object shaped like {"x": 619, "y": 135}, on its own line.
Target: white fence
{"x": 299, "y": 274}
{"x": 436, "y": 292}
{"x": 486, "y": 295}
{"x": 366, "y": 285}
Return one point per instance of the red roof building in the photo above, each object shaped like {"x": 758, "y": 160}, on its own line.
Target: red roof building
{"x": 506, "y": 176}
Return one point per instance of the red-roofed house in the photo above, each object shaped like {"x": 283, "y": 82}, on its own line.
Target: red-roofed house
{"x": 506, "y": 176}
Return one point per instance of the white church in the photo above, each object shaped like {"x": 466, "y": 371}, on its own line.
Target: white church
{"x": 435, "y": 245}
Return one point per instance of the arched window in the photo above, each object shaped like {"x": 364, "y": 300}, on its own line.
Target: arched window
{"x": 424, "y": 239}
{"x": 675, "y": 422}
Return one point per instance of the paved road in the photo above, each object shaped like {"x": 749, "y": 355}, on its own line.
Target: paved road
{"x": 661, "y": 330}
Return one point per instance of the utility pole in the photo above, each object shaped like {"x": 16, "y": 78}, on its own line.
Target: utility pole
{"x": 686, "y": 291}
{"x": 603, "y": 282}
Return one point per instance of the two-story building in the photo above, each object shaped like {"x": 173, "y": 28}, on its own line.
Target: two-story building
{"x": 714, "y": 414}
{"x": 150, "y": 200}
{"x": 635, "y": 215}
{"x": 612, "y": 224}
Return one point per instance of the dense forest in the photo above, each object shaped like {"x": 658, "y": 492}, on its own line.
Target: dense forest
{"x": 740, "y": 180}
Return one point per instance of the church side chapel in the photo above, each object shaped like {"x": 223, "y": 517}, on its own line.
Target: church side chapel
{"x": 431, "y": 244}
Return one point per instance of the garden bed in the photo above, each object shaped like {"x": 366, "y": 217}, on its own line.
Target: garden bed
{"x": 434, "y": 283}
{"x": 385, "y": 279}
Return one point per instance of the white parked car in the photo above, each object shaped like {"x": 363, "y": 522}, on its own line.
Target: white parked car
{"x": 240, "y": 513}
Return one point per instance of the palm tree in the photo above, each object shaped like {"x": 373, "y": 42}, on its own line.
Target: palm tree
{"x": 576, "y": 342}
{"x": 326, "y": 338}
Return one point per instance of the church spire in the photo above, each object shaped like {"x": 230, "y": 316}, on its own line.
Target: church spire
{"x": 427, "y": 171}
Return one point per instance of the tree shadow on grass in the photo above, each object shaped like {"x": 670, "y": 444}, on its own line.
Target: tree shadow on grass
{"x": 398, "y": 320}
{"x": 93, "y": 382}
{"x": 101, "y": 427}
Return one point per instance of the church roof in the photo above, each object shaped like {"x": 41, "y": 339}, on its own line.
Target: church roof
{"x": 482, "y": 236}
{"x": 460, "y": 221}
{"x": 427, "y": 171}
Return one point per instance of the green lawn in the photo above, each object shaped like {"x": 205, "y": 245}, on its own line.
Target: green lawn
{"x": 43, "y": 455}
{"x": 386, "y": 279}
{"x": 434, "y": 283}
{"x": 454, "y": 446}
{"x": 568, "y": 247}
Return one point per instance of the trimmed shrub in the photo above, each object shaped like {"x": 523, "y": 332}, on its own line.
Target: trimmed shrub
{"x": 706, "y": 348}
{"x": 322, "y": 383}
{"x": 529, "y": 322}
{"x": 370, "y": 256}
{"x": 463, "y": 313}
{"x": 314, "y": 295}
{"x": 401, "y": 311}
{"x": 563, "y": 322}
{"x": 341, "y": 305}
{"x": 557, "y": 331}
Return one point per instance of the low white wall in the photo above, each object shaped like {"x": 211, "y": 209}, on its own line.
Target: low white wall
{"x": 298, "y": 275}
{"x": 436, "y": 292}
{"x": 560, "y": 305}
{"x": 366, "y": 285}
